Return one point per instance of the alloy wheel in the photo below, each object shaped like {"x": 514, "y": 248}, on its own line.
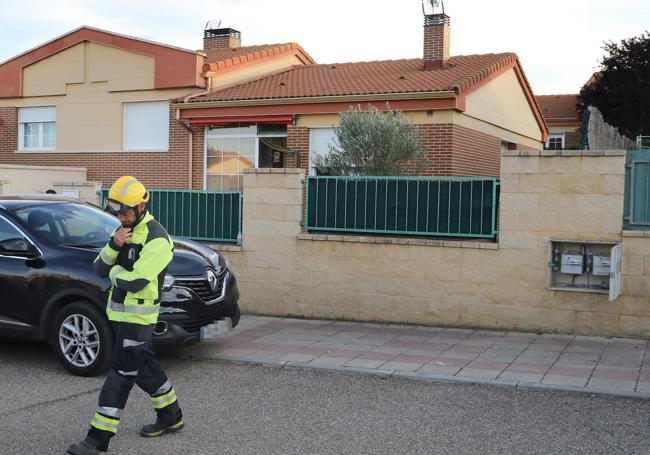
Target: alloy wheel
{"x": 79, "y": 340}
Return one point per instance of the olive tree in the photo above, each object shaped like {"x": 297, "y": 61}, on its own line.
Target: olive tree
{"x": 373, "y": 143}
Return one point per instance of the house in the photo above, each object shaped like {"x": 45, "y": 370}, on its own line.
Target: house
{"x": 101, "y": 101}
{"x": 561, "y": 115}
{"x": 467, "y": 109}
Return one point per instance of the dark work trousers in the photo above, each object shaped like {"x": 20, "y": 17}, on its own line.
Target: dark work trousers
{"x": 134, "y": 362}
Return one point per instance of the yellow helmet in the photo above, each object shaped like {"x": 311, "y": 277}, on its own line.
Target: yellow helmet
{"x": 128, "y": 192}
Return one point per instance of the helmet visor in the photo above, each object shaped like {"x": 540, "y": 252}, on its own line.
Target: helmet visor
{"x": 116, "y": 208}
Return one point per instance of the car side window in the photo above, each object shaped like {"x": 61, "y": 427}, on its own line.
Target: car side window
{"x": 9, "y": 231}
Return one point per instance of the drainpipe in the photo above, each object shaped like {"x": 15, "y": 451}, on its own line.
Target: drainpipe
{"x": 186, "y": 124}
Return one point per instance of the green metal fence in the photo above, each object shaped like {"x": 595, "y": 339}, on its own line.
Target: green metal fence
{"x": 636, "y": 207}
{"x": 201, "y": 215}
{"x": 463, "y": 207}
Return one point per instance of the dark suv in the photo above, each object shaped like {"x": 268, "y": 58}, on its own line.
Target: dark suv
{"x": 48, "y": 290}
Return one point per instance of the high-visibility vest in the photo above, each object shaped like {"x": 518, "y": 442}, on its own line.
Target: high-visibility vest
{"x": 137, "y": 272}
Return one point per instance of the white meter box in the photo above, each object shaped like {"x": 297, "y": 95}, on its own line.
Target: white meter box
{"x": 581, "y": 266}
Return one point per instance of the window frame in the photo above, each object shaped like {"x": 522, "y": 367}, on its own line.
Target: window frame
{"x": 561, "y": 136}
{"x": 24, "y": 234}
{"x": 124, "y": 125}
{"x": 21, "y": 132}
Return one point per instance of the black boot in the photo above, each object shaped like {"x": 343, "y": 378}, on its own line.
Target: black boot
{"x": 84, "y": 448}
{"x": 160, "y": 427}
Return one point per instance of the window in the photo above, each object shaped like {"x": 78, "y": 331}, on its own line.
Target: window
{"x": 68, "y": 224}
{"x": 229, "y": 151}
{"x": 146, "y": 125}
{"x": 37, "y": 128}
{"x": 555, "y": 141}
{"x": 320, "y": 140}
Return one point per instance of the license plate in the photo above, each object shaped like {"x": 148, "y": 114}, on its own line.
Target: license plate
{"x": 215, "y": 329}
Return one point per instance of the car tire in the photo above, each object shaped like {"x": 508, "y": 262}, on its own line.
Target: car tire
{"x": 83, "y": 339}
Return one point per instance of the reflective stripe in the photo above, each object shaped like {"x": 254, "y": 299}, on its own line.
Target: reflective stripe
{"x": 164, "y": 400}
{"x": 104, "y": 423}
{"x": 130, "y": 343}
{"x": 128, "y": 373}
{"x": 116, "y": 270}
{"x": 132, "y": 309}
{"x": 113, "y": 412}
{"x": 126, "y": 186}
{"x": 166, "y": 387}
{"x": 107, "y": 258}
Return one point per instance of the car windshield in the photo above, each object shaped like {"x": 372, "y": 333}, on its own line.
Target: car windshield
{"x": 68, "y": 224}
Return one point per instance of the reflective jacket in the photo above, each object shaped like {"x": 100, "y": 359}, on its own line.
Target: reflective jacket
{"x": 137, "y": 272}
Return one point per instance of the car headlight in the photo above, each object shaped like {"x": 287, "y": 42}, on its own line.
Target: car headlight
{"x": 168, "y": 282}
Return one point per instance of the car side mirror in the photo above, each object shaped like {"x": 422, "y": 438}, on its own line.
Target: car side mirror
{"x": 17, "y": 246}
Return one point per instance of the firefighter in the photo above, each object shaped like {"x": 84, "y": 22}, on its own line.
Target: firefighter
{"x": 136, "y": 259}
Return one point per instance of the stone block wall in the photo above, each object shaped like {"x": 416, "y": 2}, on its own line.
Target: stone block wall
{"x": 578, "y": 195}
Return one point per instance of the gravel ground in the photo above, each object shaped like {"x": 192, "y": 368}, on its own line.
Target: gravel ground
{"x": 252, "y": 409}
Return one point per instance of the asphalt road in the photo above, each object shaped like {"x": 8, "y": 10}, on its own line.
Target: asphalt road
{"x": 247, "y": 409}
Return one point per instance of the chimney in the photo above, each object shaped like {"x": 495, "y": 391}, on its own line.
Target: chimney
{"x": 220, "y": 38}
{"x": 436, "y": 41}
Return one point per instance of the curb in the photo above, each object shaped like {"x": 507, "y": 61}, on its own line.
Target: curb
{"x": 430, "y": 377}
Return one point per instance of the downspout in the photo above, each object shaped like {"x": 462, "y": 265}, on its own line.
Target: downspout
{"x": 187, "y": 126}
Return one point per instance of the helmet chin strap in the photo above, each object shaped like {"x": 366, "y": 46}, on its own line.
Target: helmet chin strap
{"x": 139, "y": 216}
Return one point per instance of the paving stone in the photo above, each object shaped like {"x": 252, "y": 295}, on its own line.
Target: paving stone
{"x": 460, "y": 355}
{"x": 364, "y": 363}
{"x": 570, "y": 371}
{"x": 479, "y": 373}
{"x": 643, "y": 387}
{"x": 448, "y": 362}
{"x": 508, "y": 375}
{"x": 577, "y": 381}
{"x": 330, "y": 361}
{"x": 612, "y": 384}
{"x": 302, "y": 358}
{"x": 400, "y": 366}
{"x": 481, "y": 365}
{"x": 471, "y": 349}
{"x": 438, "y": 369}
{"x": 528, "y": 368}
{"x": 618, "y": 374}
{"x": 377, "y": 355}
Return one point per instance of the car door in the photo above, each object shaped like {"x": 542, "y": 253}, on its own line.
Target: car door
{"x": 19, "y": 266}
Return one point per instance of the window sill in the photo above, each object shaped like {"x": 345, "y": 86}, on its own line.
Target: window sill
{"x": 483, "y": 245}
{"x": 635, "y": 233}
{"x": 43, "y": 150}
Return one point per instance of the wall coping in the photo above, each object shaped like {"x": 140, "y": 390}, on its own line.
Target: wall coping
{"x": 87, "y": 183}
{"x": 44, "y": 168}
{"x": 630, "y": 233}
{"x": 222, "y": 246}
{"x": 399, "y": 241}
{"x": 280, "y": 170}
{"x": 562, "y": 153}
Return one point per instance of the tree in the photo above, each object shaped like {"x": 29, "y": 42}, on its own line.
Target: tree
{"x": 621, "y": 90}
{"x": 373, "y": 143}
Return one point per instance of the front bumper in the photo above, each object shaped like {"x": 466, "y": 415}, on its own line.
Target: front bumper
{"x": 185, "y": 313}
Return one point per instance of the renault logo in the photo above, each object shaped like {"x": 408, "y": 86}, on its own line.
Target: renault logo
{"x": 212, "y": 279}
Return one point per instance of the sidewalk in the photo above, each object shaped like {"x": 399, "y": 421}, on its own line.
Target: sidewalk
{"x": 613, "y": 366}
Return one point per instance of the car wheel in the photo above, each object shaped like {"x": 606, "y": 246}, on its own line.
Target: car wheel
{"x": 83, "y": 339}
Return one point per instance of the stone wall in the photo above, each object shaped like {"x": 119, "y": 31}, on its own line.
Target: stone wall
{"x": 569, "y": 195}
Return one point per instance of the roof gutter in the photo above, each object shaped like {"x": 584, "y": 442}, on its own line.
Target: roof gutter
{"x": 314, "y": 99}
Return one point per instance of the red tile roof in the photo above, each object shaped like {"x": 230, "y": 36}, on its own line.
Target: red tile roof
{"x": 360, "y": 78}
{"x": 558, "y": 106}
{"x": 225, "y": 57}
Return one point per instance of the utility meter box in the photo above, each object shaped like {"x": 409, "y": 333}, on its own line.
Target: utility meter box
{"x": 572, "y": 263}
{"x": 585, "y": 266}
{"x": 602, "y": 265}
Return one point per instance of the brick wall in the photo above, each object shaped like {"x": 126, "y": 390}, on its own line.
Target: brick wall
{"x": 155, "y": 169}
{"x": 8, "y": 131}
{"x": 298, "y": 140}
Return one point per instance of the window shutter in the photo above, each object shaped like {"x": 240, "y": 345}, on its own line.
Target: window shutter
{"x": 320, "y": 140}
{"x": 146, "y": 125}
{"x": 37, "y": 114}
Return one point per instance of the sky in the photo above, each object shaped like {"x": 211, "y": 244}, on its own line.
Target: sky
{"x": 559, "y": 42}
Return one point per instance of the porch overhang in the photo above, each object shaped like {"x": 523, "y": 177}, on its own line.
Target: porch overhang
{"x": 228, "y": 120}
